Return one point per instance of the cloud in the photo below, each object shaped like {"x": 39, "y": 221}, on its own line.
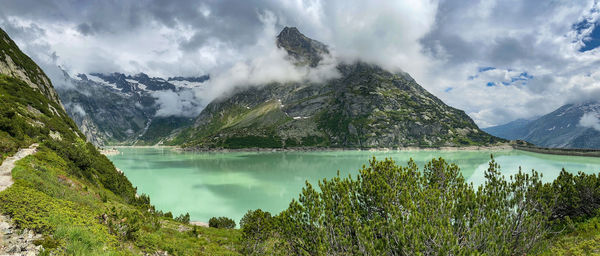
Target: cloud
{"x": 533, "y": 47}
{"x": 182, "y": 103}
{"x": 266, "y": 63}
{"x": 76, "y": 108}
{"x": 442, "y": 44}
{"x": 79, "y": 110}
{"x": 590, "y": 120}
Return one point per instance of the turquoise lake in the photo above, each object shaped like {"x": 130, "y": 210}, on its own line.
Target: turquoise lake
{"x": 229, "y": 184}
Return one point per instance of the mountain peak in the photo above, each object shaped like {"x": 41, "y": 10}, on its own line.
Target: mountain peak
{"x": 304, "y": 50}
{"x": 290, "y": 31}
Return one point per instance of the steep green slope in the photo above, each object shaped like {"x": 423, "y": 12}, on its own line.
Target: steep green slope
{"x": 15, "y": 63}
{"x": 71, "y": 194}
{"x": 366, "y": 107}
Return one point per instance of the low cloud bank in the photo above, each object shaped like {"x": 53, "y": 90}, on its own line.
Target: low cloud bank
{"x": 265, "y": 63}
{"x": 590, "y": 120}
{"x": 181, "y": 103}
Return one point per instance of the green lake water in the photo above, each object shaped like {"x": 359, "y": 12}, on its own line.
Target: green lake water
{"x": 229, "y": 184}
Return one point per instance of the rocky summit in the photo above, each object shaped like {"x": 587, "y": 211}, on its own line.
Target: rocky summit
{"x": 366, "y": 107}
{"x": 303, "y": 50}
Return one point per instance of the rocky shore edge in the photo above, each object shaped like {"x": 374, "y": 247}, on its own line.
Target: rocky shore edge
{"x": 559, "y": 151}
{"x": 518, "y": 145}
{"x": 504, "y": 146}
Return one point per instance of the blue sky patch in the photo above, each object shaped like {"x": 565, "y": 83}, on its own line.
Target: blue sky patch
{"x": 448, "y": 89}
{"x": 522, "y": 77}
{"x": 592, "y": 40}
{"x": 483, "y": 69}
{"x": 519, "y": 79}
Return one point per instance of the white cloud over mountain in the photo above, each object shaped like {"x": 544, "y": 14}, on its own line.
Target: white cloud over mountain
{"x": 497, "y": 60}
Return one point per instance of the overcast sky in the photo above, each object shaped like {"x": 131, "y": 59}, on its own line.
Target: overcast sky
{"x": 497, "y": 60}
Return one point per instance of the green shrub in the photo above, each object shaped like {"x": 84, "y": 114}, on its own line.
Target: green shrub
{"x": 221, "y": 222}
{"x": 183, "y": 218}
{"x": 575, "y": 196}
{"x": 391, "y": 210}
{"x": 32, "y": 209}
{"x": 256, "y": 227}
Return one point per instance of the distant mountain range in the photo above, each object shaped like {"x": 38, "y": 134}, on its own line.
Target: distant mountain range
{"x": 570, "y": 126}
{"x": 367, "y": 107}
{"x": 116, "y": 108}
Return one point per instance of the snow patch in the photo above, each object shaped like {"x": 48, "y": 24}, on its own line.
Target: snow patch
{"x": 101, "y": 81}
{"x": 139, "y": 85}
{"x": 188, "y": 84}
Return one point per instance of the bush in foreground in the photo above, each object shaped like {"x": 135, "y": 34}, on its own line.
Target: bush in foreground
{"x": 256, "y": 227}
{"x": 401, "y": 210}
{"x": 221, "y": 222}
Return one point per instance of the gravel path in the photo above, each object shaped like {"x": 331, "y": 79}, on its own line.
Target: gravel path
{"x": 9, "y": 163}
{"x": 13, "y": 241}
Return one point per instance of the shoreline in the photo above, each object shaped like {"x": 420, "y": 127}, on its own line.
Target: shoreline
{"x": 109, "y": 151}
{"x": 145, "y": 146}
{"x": 560, "y": 151}
{"x": 321, "y": 149}
{"x": 501, "y": 147}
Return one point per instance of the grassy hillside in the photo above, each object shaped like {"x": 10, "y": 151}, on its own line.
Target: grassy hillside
{"x": 73, "y": 195}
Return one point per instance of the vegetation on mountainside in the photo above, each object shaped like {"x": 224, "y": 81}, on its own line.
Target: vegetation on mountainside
{"x": 74, "y": 196}
{"x": 77, "y": 217}
{"x": 161, "y": 126}
{"x": 403, "y": 210}
{"x": 26, "y": 116}
{"x": 8, "y": 49}
{"x": 367, "y": 107}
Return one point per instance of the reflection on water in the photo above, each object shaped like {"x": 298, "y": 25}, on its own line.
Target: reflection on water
{"x": 229, "y": 184}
